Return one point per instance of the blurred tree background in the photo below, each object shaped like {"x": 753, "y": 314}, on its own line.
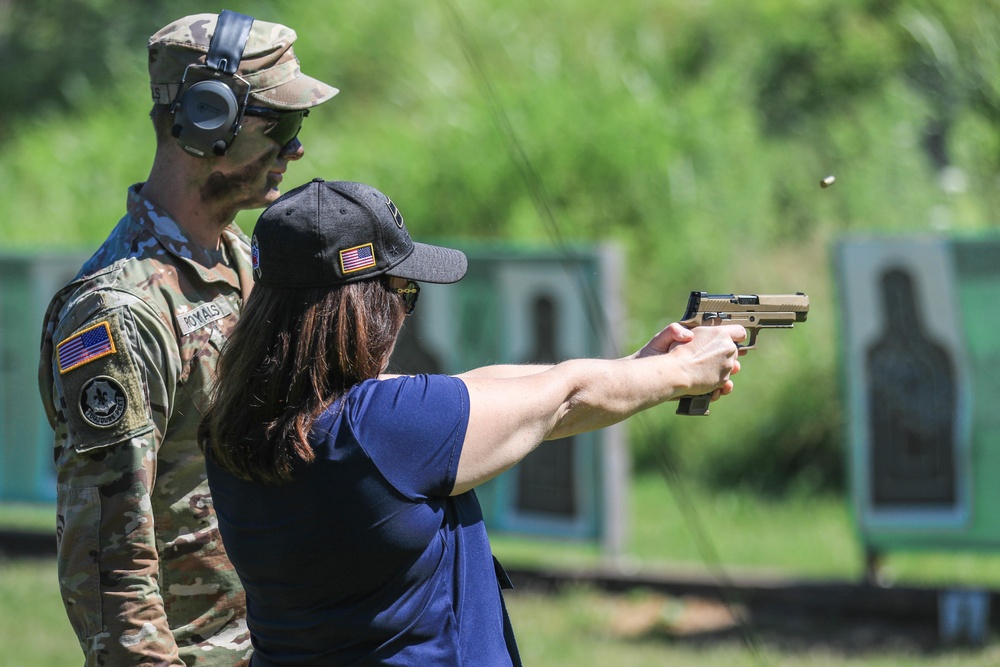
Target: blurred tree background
{"x": 692, "y": 133}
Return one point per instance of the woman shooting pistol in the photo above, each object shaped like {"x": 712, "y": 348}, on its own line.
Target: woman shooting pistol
{"x": 345, "y": 496}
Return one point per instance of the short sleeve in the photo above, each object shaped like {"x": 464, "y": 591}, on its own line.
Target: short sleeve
{"x": 412, "y": 428}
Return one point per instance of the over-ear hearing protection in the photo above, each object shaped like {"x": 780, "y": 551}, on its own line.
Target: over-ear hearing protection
{"x": 209, "y": 111}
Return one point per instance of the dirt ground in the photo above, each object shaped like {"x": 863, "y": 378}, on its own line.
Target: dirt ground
{"x": 701, "y": 621}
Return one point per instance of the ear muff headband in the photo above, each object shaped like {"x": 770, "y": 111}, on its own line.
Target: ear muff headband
{"x": 208, "y": 113}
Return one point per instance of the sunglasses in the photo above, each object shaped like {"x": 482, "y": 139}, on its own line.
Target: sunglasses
{"x": 282, "y": 126}
{"x": 409, "y": 295}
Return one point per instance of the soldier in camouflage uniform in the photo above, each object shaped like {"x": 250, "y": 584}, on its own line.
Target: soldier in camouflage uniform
{"x": 127, "y": 363}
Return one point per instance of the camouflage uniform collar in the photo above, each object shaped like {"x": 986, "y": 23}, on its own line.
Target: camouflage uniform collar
{"x": 169, "y": 234}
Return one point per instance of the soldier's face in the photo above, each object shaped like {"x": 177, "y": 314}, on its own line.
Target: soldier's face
{"x": 250, "y": 174}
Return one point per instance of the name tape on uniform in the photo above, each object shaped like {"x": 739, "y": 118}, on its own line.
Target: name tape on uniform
{"x": 203, "y": 315}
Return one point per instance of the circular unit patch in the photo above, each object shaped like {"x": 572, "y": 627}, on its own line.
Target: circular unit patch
{"x": 103, "y": 401}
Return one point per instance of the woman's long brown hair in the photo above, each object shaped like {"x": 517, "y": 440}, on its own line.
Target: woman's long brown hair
{"x": 291, "y": 355}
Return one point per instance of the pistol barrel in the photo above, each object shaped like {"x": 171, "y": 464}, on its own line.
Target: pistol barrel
{"x": 767, "y": 306}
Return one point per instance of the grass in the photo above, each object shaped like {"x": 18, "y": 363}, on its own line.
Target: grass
{"x": 584, "y": 628}
{"x": 33, "y": 626}
{"x": 27, "y": 516}
{"x": 803, "y": 537}
{"x": 578, "y": 628}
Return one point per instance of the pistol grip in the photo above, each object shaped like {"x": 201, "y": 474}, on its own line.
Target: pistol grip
{"x": 696, "y": 406}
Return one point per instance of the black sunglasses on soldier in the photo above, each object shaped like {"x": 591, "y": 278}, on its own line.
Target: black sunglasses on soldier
{"x": 282, "y": 126}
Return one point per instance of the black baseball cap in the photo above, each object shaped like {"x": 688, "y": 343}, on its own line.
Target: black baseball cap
{"x": 327, "y": 233}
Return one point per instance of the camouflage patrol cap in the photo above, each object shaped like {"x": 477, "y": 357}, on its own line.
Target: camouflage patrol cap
{"x": 268, "y": 63}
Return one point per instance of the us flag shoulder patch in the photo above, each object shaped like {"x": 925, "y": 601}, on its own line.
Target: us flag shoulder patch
{"x": 85, "y": 346}
{"x": 357, "y": 258}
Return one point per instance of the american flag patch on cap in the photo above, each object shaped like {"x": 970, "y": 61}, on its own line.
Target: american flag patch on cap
{"x": 84, "y": 346}
{"x": 357, "y": 258}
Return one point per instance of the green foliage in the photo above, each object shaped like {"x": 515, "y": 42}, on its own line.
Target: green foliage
{"x": 693, "y": 134}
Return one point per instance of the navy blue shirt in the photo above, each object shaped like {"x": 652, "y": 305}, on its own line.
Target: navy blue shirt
{"x": 364, "y": 558}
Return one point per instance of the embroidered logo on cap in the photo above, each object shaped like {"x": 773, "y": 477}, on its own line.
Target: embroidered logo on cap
{"x": 103, "y": 401}
{"x": 396, "y": 215}
{"x": 357, "y": 258}
{"x": 85, "y": 346}
{"x": 255, "y": 254}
